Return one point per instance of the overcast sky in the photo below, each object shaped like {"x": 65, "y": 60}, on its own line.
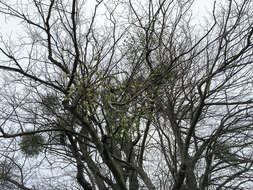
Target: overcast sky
{"x": 200, "y": 10}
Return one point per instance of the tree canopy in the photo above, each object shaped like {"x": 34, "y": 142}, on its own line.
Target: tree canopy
{"x": 126, "y": 95}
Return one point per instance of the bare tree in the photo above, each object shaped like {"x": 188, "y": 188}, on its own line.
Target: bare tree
{"x": 203, "y": 114}
{"x": 146, "y": 101}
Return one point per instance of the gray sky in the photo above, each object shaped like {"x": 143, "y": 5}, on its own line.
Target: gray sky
{"x": 10, "y": 26}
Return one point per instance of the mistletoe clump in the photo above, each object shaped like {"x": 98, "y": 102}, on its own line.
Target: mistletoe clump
{"x": 32, "y": 145}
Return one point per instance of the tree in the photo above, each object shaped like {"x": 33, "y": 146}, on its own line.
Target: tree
{"x": 145, "y": 102}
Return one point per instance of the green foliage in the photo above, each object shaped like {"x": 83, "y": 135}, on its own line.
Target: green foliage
{"x": 50, "y": 104}
{"x": 124, "y": 118}
{"x": 32, "y": 145}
